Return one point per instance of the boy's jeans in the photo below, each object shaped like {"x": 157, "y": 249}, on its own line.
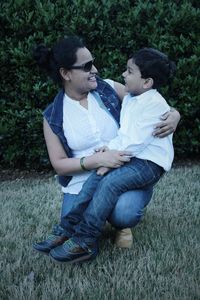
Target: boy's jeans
{"x": 104, "y": 192}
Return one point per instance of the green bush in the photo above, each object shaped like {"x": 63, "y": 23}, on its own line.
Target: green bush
{"x": 112, "y": 30}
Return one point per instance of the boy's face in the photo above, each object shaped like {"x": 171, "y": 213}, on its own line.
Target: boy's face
{"x": 134, "y": 83}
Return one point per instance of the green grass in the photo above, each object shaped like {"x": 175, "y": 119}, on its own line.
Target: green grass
{"x": 164, "y": 262}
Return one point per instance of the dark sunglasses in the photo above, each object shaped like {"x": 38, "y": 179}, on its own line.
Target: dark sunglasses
{"x": 85, "y": 67}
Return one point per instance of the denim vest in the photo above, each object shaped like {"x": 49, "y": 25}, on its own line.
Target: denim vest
{"x": 105, "y": 96}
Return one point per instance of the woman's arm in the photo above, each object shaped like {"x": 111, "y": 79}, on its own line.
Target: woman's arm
{"x": 64, "y": 165}
{"x": 120, "y": 90}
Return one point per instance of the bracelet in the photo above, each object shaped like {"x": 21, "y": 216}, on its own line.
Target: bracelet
{"x": 82, "y": 164}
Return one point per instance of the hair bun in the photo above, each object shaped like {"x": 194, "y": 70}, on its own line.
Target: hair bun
{"x": 42, "y": 56}
{"x": 172, "y": 67}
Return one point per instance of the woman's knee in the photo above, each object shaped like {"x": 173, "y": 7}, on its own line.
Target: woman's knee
{"x": 130, "y": 208}
{"x": 125, "y": 219}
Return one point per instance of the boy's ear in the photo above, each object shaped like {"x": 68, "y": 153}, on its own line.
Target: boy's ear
{"x": 65, "y": 74}
{"x": 148, "y": 83}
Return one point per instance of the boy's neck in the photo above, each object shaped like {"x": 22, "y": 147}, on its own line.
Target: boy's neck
{"x": 144, "y": 91}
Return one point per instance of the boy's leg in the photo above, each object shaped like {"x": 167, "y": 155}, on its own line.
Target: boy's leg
{"x": 72, "y": 211}
{"x": 135, "y": 174}
{"x": 73, "y": 216}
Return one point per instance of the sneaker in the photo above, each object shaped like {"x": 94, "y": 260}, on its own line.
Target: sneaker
{"x": 71, "y": 252}
{"x": 124, "y": 238}
{"x": 50, "y": 243}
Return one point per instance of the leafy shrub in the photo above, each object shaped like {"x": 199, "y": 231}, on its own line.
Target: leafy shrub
{"x": 112, "y": 30}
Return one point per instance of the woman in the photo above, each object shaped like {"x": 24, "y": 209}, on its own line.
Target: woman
{"x": 84, "y": 116}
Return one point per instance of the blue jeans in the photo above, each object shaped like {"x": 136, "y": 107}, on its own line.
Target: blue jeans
{"x": 100, "y": 194}
{"x": 126, "y": 210}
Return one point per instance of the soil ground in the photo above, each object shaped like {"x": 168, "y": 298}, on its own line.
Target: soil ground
{"x": 12, "y": 174}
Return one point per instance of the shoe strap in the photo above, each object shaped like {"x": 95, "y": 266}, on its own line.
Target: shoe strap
{"x": 70, "y": 244}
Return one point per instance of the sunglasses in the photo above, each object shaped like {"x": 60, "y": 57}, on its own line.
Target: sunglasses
{"x": 85, "y": 67}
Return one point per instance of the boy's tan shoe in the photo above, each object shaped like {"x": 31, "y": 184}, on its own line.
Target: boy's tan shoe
{"x": 124, "y": 238}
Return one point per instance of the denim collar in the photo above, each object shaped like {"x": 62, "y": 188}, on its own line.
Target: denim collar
{"x": 56, "y": 117}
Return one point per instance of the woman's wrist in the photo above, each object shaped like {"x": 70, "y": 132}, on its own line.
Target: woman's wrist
{"x": 82, "y": 164}
{"x": 175, "y": 113}
{"x": 92, "y": 162}
{"x": 97, "y": 160}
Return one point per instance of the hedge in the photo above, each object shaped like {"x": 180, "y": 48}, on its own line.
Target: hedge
{"x": 112, "y": 29}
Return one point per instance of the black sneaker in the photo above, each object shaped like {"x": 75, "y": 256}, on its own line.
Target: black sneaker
{"x": 71, "y": 252}
{"x": 50, "y": 243}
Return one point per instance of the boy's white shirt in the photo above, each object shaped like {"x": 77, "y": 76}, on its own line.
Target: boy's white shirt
{"x": 138, "y": 117}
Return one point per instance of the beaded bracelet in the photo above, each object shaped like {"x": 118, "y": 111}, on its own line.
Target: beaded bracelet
{"x": 82, "y": 164}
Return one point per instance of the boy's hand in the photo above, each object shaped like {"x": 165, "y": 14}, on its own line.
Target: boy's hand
{"x": 102, "y": 149}
{"x": 102, "y": 171}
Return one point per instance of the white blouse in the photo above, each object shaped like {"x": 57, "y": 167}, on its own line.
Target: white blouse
{"x": 85, "y": 130}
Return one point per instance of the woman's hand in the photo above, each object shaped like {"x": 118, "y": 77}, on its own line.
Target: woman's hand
{"x": 113, "y": 158}
{"x": 168, "y": 125}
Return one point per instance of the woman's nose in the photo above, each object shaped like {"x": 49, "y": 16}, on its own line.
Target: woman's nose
{"x": 94, "y": 69}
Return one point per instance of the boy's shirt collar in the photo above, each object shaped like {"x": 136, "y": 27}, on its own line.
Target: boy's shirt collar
{"x": 144, "y": 95}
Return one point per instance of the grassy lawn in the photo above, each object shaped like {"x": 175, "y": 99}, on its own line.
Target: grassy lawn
{"x": 164, "y": 262}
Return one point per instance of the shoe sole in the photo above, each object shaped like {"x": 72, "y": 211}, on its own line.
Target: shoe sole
{"x": 42, "y": 252}
{"x": 77, "y": 260}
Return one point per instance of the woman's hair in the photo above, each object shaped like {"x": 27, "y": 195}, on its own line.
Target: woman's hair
{"x": 61, "y": 55}
{"x": 154, "y": 64}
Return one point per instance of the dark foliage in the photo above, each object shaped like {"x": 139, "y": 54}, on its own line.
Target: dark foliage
{"x": 112, "y": 30}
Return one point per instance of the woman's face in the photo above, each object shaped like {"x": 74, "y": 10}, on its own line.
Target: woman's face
{"x": 83, "y": 81}
{"x": 133, "y": 80}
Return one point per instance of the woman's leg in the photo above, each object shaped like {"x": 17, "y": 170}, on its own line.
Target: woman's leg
{"x": 130, "y": 208}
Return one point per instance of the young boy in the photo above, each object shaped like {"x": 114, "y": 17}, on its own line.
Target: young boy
{"x": 147, "y": 70}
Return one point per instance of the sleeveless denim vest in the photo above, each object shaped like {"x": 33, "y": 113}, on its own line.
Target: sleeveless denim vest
{"x": 105, "y": 96}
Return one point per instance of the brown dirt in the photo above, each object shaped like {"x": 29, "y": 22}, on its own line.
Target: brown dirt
{"x": 10, "y": 174}
{"x": 22, "y": 174}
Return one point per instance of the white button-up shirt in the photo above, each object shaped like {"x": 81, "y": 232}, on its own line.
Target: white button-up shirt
{"x": 138, "y": 117}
